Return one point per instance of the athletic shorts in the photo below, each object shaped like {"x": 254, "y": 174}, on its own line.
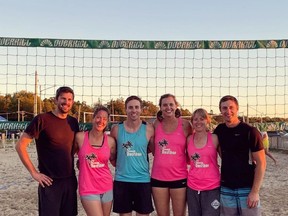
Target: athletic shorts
{"x": 60, "y": 198}
{"x": 130, "y": 197}
{"x": 169, "y": 184}
{"x": 203, "y": 202}
{"x": 234, "y": 202}
{"x": 103, "y": 198}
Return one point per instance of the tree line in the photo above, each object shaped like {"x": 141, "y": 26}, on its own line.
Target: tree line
{"x": 21, "y": 104}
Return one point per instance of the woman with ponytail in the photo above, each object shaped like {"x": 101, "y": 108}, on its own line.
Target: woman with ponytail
{"x": 169, "y": 171}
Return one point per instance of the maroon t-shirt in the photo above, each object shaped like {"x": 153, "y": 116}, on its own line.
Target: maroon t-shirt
{"x": 54, "y": 142}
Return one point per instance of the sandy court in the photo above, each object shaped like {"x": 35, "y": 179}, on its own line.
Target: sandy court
{"x": 18, "y": 191}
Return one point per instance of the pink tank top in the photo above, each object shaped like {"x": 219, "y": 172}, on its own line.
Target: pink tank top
{"x": 94, "y": 174}
{"x": 170, "y": 154}
{"x": 204, "y": 171}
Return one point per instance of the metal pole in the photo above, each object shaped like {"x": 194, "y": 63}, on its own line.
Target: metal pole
{"x": 247, "y": 114}
{"x": 40, "y": 105}
{"x": 35, "y": 95}
{"x": 79, "y": 112}
{"x": 18, "y": 109}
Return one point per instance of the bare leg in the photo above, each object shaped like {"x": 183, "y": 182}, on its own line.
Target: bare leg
{"x": 137, "y": 214}
{"x": 161, "y": 198}
{"x": 270, "y": 155}
{"x": 107, "y": 208}
{"x": 92, "y": 207}
{"x": 126, "y": 214}
{"x": 178, "y": 197}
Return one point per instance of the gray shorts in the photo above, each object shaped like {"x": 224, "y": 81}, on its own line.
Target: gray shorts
{"x": 105, "y": 197}
{"x": 203, "y": 203}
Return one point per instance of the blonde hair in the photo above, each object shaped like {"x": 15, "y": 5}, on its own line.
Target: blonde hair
{"x": 203, "y": 113}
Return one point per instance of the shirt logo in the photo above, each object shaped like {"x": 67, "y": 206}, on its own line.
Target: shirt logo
{"x": 163, "y": 147}
{"x": 215, "y": 204}
{"x": 195, "y": 157}
{"x": 198, "y": 164}
{"x": 163, "y": 143}
{"x": 127, "y": 145}
{"x": 130, "y": 152}
{"x": 93, "y": 161}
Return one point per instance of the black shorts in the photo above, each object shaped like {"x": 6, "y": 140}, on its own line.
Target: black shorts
{"x": 130, "y": 197}
{"x": 169, "y": 184}
{"x": 58, "y": 199}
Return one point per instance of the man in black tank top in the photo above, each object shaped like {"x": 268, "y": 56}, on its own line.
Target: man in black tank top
{"x": 243, "y": 162}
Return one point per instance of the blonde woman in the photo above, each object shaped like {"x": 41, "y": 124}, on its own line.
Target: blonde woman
{"x": 203, "y": 192}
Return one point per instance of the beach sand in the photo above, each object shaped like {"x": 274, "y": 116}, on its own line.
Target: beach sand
{"x": 18, "y": 191}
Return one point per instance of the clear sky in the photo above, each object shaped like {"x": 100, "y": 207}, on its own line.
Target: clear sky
{"x": 145, "y": 20}
{"x": 154, "y": 20}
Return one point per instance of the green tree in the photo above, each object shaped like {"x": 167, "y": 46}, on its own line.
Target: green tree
{"x": 185, "y": 112}
{"x": 5, "y": 102}
{"x": 149, "y": 109}
{"x": 117, "y": 107}
{"x": 26, "y": 105}
{"x": 81, "y": 109}
{"x": 48, "y": 104}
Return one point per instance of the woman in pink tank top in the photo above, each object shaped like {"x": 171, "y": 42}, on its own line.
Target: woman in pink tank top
{"x": 169, "y": 171}
{"x": 95, "y": 149}
{"x": 203, "y": 194}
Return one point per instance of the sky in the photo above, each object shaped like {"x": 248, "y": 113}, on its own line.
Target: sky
{"x": 145, "y": 20}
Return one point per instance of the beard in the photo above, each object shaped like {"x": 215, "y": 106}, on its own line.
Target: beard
{"x": 63, "y": 108}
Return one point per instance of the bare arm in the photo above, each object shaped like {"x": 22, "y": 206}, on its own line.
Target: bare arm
{"x": 187, "y": 127}
{"x": 79, "y": 139}
{"x": 78, "y": 142}
{"x": 114, "y": 132}
{"x": 150, "y": 136}
{"x": 187, "y": 143}
{"x": 253, "y": 197}
{"x": 112, "y": 145}
{"x": 21, "y": 148}
{"x": 216, "y": 143}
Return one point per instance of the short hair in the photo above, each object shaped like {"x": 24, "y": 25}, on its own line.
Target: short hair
{"x": 203, "y": 113}
{"x": 226, "y": 98}
{"x": 64, "y": 89}
{"x": 133, "y": 97}
{"x": 101, "y": 108}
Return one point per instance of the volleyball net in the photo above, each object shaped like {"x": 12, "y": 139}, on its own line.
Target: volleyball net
{"x": 198, "y": 73}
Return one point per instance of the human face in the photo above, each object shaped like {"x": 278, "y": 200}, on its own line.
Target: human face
{"x": 168, "y": 107}
{"x": 133, "y": 110}
{"x": 64, "y": 102}
{"x": 100, "y": 120}
{"x": 229, "y": 111}
{"x": 199, "y": 123}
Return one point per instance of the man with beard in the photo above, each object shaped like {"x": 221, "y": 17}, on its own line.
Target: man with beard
{"x": 54, "y": 134}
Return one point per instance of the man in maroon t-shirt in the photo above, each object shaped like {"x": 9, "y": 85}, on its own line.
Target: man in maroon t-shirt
{"x": 54, "y": 134}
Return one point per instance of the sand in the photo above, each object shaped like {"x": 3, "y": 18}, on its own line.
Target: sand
{"x": 18, "y": 191}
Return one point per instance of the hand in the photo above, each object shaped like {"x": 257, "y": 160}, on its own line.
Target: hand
{"x": 253, "y": 200}
{"x": 42, "y": 179}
